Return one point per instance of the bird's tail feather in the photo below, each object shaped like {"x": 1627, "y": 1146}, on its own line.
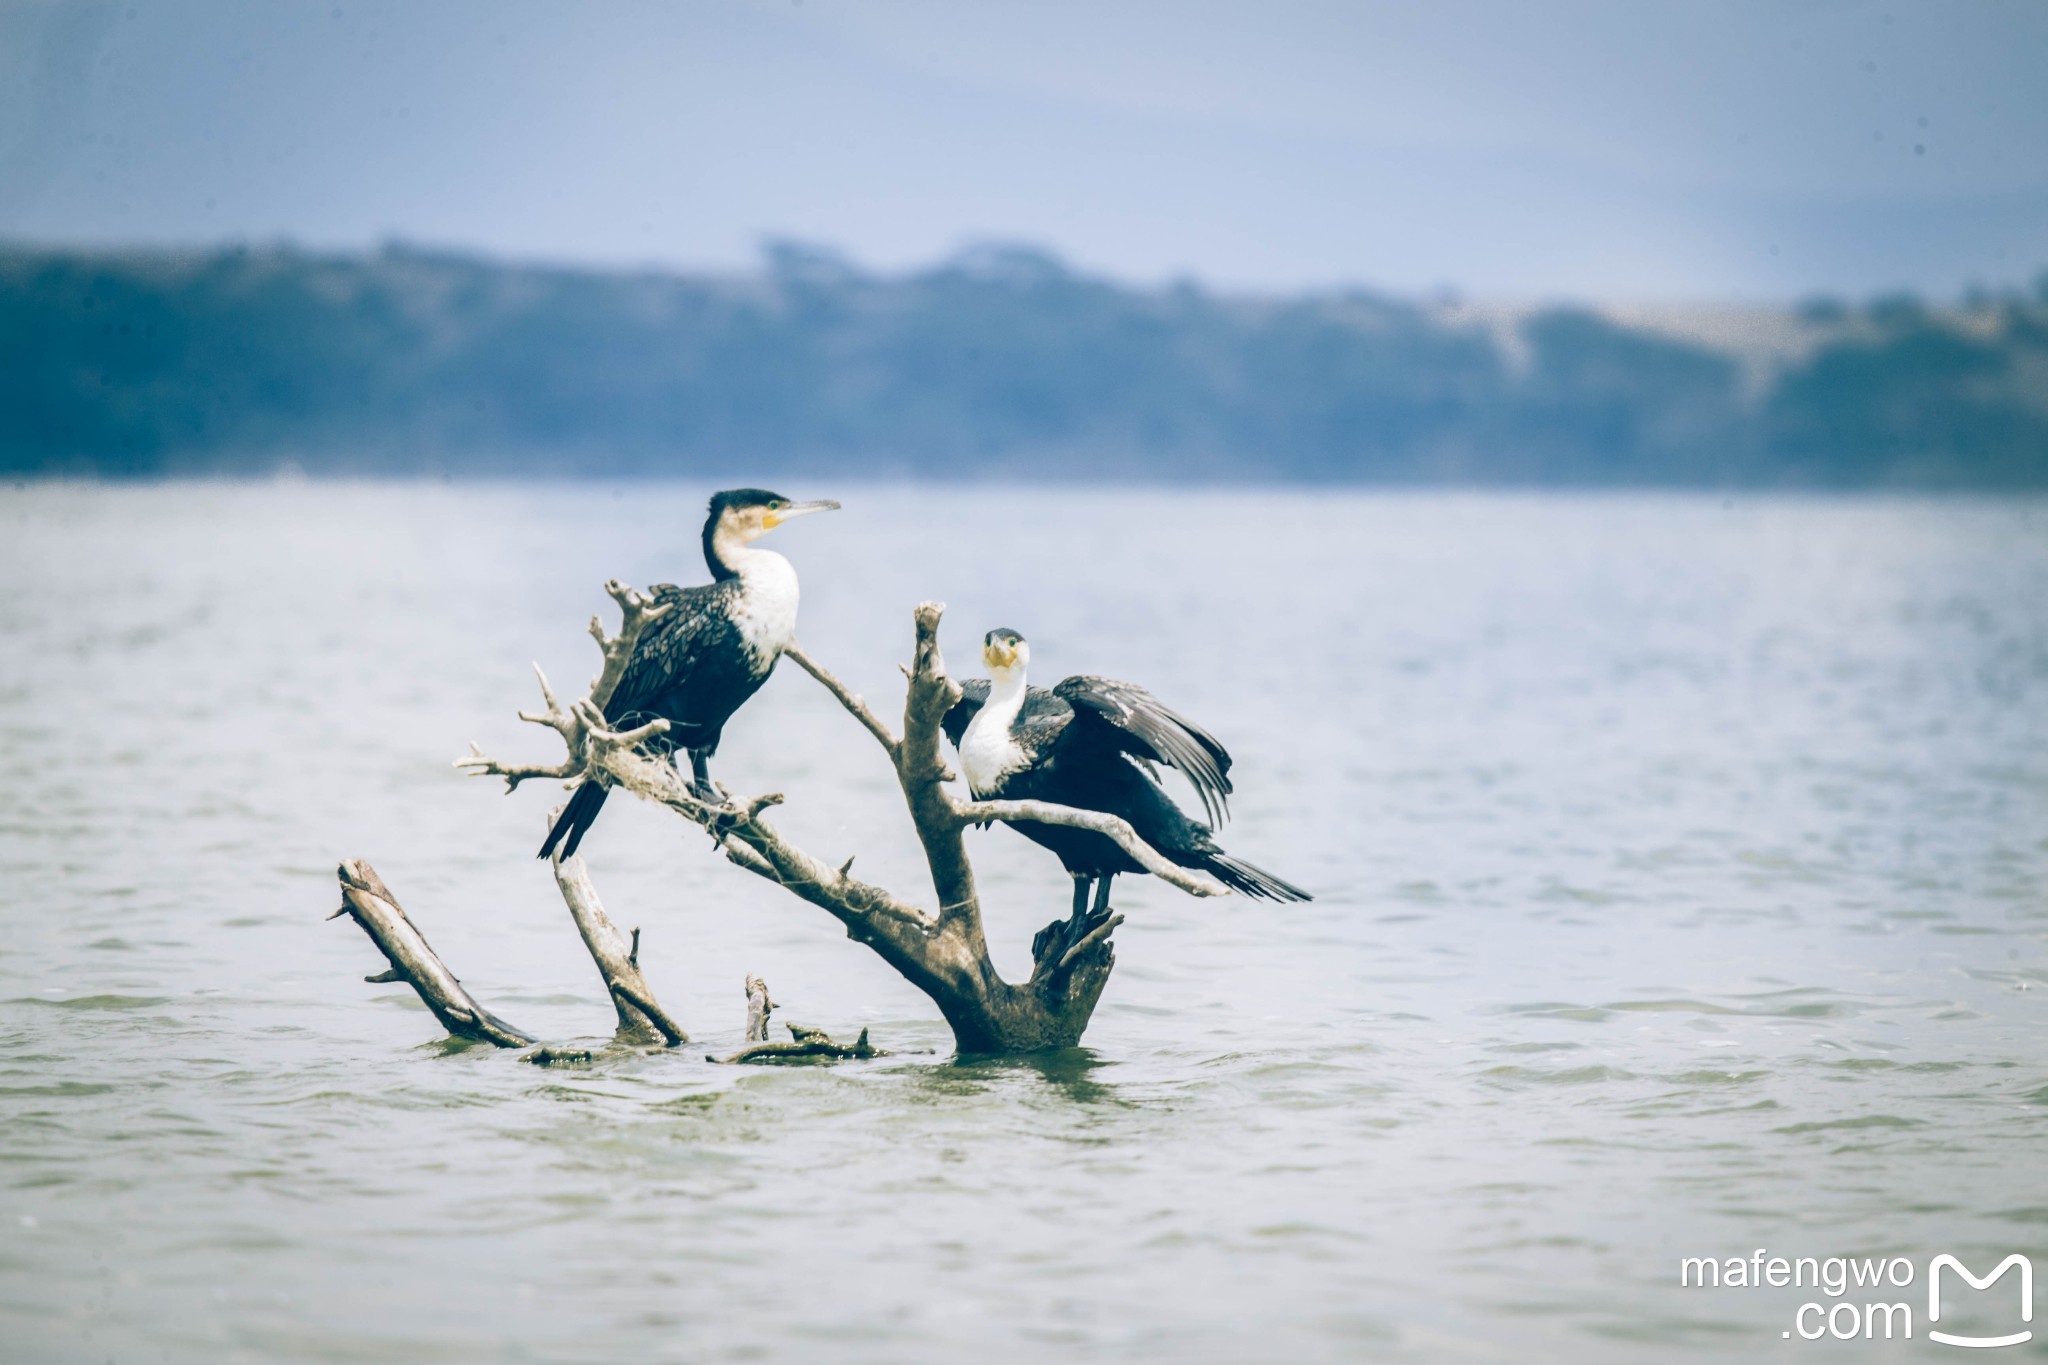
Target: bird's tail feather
{"x": 577, "y": 817}
{"x": 1247, "y": 880}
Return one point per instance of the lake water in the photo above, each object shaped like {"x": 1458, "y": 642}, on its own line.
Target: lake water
{"x": 1682, "y": 875}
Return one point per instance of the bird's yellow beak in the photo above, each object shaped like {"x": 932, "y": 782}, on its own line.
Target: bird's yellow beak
{"x": 997, "y": 654}
{"x": 776, "y": 516}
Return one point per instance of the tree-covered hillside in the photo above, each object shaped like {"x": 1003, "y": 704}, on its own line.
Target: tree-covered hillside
{"x": 996, "y": 363}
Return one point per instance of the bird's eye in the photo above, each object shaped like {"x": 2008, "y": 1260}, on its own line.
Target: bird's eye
{"x": 777, "y": 505}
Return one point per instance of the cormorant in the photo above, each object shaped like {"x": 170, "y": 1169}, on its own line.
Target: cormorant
{"x": 1091, "y": 743}
{"x": 697, "y": 665}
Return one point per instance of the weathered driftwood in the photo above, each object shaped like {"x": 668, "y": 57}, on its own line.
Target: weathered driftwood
{"x": 618, "y": 961}
{"x": 804, "y": 1045}
{"x": 413, "y": 961}
{"x": 944, "y": 952}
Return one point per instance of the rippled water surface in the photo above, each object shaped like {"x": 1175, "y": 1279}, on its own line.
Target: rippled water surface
{"x": 1680, "y": 866}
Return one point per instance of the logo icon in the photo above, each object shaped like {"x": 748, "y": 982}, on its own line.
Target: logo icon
{"x": 2026, "y": 1298}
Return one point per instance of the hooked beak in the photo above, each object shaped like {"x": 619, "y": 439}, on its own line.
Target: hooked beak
{"x": 797, "y": 509}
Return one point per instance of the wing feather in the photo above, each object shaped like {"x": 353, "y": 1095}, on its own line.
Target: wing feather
{"x": 1138, "y": 723}
{"x": 669, "y": 649}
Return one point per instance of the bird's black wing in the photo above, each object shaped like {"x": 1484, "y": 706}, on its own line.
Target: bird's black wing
{"x": 669, "y": 650}
{"x": 1041, "y": 722}
{"x": 1129, "y": 718}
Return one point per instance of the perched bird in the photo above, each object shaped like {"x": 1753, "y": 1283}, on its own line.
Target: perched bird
{"x": 1091, "y": 743}
{"x": 697, "y": 665}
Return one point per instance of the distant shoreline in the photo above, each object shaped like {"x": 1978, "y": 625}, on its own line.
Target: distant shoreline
{"x": 1001, "y": 364}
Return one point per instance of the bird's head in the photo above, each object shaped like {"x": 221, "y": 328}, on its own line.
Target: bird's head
{"x": 1005, "y": 652}
{"x": 743, "y": 515}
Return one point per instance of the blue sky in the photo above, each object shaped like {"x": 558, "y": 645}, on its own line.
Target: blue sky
{"x": 1649, "y": 150}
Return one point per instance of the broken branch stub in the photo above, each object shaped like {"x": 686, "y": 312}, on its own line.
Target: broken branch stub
{"x": 759, "y": 1007}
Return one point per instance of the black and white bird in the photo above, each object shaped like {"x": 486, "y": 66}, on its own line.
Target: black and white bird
{"x": 1092, "y": 743}
{"x": 697, "y": 665}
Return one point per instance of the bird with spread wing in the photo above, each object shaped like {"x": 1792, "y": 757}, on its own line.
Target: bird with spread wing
{"x": 1096, "y": 744}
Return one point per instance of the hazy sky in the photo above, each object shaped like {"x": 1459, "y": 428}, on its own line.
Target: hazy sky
{"x": 1639, "y": 149}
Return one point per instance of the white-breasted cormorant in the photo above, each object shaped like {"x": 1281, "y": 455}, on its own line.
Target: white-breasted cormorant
{"x": 697, "y": 665}
{"x": 1090, "y": 743}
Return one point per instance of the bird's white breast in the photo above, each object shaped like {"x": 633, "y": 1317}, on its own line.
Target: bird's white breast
{"x": 988, "y": 751}
{"x": 766, "y": 611}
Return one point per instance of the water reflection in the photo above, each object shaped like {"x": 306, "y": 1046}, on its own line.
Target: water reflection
{"x": 1072, "y": 1073}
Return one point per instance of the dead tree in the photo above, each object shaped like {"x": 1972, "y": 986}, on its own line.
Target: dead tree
{"x": 942, "y": 951}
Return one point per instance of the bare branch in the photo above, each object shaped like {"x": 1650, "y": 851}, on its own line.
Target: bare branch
{"x": 563, "y": 723}
{"x": 595, "y": 731}
{"x": 618, "y": 961}
{"x": 547, "y": 694}
{"x": 637, "y": 611}
{"x": 365, "y": 898}
{"x": 1101, "y": 822}
{"x": 482, "y": 765}
{"x": 847, "y": 699}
